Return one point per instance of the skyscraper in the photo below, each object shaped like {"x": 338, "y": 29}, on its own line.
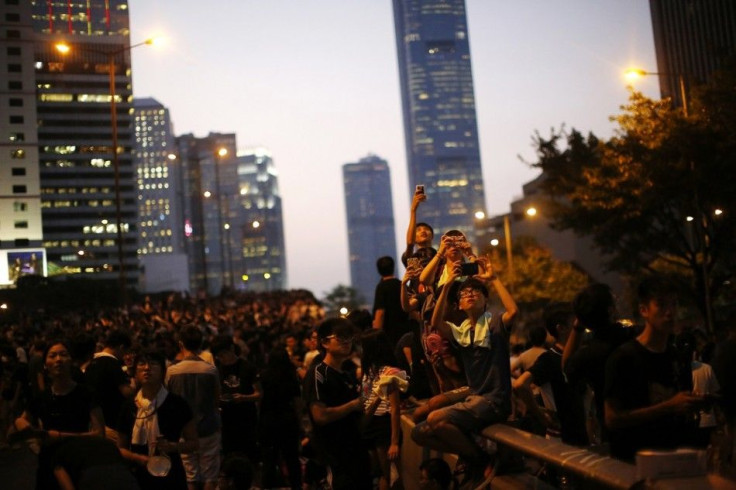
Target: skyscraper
{"x": 259, "y": 223}
{"x": 79, "y": 181}
{"x": 370, "y": 220}
{"x": 440, "y": 129}
{"x": 20, "y": 197}
{"x": 160, "y": 223}
{"x": 209, "y": 210}
{"x": 692, "y": 39}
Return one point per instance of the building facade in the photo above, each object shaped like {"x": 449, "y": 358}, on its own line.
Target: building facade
{"x": 21, "y": 251}
{"x": 692, "y": 39}
{"x": 438, "y": 102}
{"x": 87, "y": 176}
{"x": 209, "y": 210}
{"x": 160, "y": 227}
{"x": 259, "y": 224}
{"x": 370, "y": 221}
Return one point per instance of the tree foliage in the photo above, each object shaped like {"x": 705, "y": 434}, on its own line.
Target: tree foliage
{"x": 650, "y": 195}
{"x": 538, "y": 277}
{"x": 342, "y": 295}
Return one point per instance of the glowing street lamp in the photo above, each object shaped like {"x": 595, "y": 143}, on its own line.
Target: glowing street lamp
{"x": 634, "y": 74}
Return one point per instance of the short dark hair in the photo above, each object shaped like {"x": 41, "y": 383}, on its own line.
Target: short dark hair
{"x": 555, "y": 314}
{"x": 537, "y": 335}
{"x": 438, "y": 471}
{"x": 221, "y": 343}
{"x": 426, "y": 225}
{"x": 191, "y": 337}
{"x": 592, "y": 306}
{"x": 118, "y": 338}
{"x": 472, "y": 283}
{"x": 385, "y": 266}
{"x": 655, "y": 287}
{"x": 152, "y": 356}
{"x": 341, "y": 327}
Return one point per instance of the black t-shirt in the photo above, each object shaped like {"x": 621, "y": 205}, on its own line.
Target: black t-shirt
{"x": 173, "y": 414}
{"x": 65, "y": 413}
{"x": 77, "y": 454}
{"x": 104, "y": 376}
{"x": 388, "y": 299}
{"x": 635, "y": 378}
{"x": 333, "y": 388}
{"x": 238, "y": 377}
{"x": 588, "y": 364}
{"x": 570, "y": 411}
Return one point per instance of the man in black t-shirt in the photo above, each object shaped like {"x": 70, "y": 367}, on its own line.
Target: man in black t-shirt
{"x": 565, "y": 402}
{"x": 333, "y": 398}
{"x": 387, "y": 312}
{"x": 239, "y": 393}
{"x": 107, "y": 381}
{"x": 648, "y": 397}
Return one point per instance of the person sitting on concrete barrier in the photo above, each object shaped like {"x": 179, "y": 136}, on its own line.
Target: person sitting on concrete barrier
{"x": 483, "y": 342}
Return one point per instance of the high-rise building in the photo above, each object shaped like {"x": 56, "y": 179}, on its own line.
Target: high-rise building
{"x": 692, "y": 39}
{"x": 160, "y": 224}
{"x": 260, "y": 225}
{"x": 89, "y": 205}
{"x": 440, "y": 128}
{"x": 21, "y": 252}
{"x": 370, "y": 221}
{"x": 209, "y": 209}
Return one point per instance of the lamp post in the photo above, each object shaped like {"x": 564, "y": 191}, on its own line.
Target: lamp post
{"x": 632, "y": 74}
{"x": 531, "y": 212}
{"x": 111, "y": 55}
{"x": 222, "y": 152}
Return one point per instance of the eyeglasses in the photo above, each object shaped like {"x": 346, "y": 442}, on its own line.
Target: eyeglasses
{"x": 341, "y": 340}
{"x": 467, "y": 293}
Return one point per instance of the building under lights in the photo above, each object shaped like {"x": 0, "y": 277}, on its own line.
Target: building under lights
{"x": 160, "y": 224}
{"x": 440, "y": 128}
{"x": 261, "y": 224}
{"x": 74, "y": 135}
{"x": 691, "y": 40}
{"x": 370, "y": 221}
{"x": 210, "y": 204}
{"x": 21, "y": 251}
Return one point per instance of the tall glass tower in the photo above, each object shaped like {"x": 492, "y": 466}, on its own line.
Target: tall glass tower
{"x": 370, "y": 220}
{"x": 260, "y": 225}
{"x": 440, "y": 128}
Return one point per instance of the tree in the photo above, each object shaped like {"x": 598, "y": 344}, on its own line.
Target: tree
{"x": 658, "y": 194}
{"x": 342, "y": 295}
{"x": 538, "y": 277}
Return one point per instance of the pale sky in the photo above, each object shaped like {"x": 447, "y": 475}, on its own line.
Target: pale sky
{"x": 316, "y": 82}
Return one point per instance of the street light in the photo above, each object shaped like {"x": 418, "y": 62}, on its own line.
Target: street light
{"x": 636, "y": 73}
{"x": 111, "y": 55}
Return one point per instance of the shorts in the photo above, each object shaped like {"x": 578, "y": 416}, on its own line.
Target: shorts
{"x": 204, "y": 465}
{"x": 377, "y": 433}
{"x": 473, "y": 414}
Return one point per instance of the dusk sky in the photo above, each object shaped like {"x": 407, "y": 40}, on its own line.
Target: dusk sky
{"x": 316, "y": 82}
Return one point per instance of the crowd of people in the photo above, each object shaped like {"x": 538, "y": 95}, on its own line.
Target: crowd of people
{"x": 207, "y": 393}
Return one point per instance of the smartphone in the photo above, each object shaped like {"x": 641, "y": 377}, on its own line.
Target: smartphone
{"x": 469, "y": 269}
{"x": 419, "y": 189}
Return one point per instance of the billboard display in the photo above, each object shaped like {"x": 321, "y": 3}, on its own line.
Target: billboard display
{"x": 16, "y": 263}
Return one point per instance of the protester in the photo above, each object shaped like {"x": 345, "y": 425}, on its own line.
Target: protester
{"x": 157, "y": 423}
{"x": 198, "y": 383}
{"x": 482, "y": 340}
{"x": 335, "y": 408}
{"x": 380, "y": 387}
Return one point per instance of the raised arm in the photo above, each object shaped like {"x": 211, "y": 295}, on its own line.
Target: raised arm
{"x": 430, "y": 270}
{"x": 488, "y": 276}
{"x": 440, "y": 308}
